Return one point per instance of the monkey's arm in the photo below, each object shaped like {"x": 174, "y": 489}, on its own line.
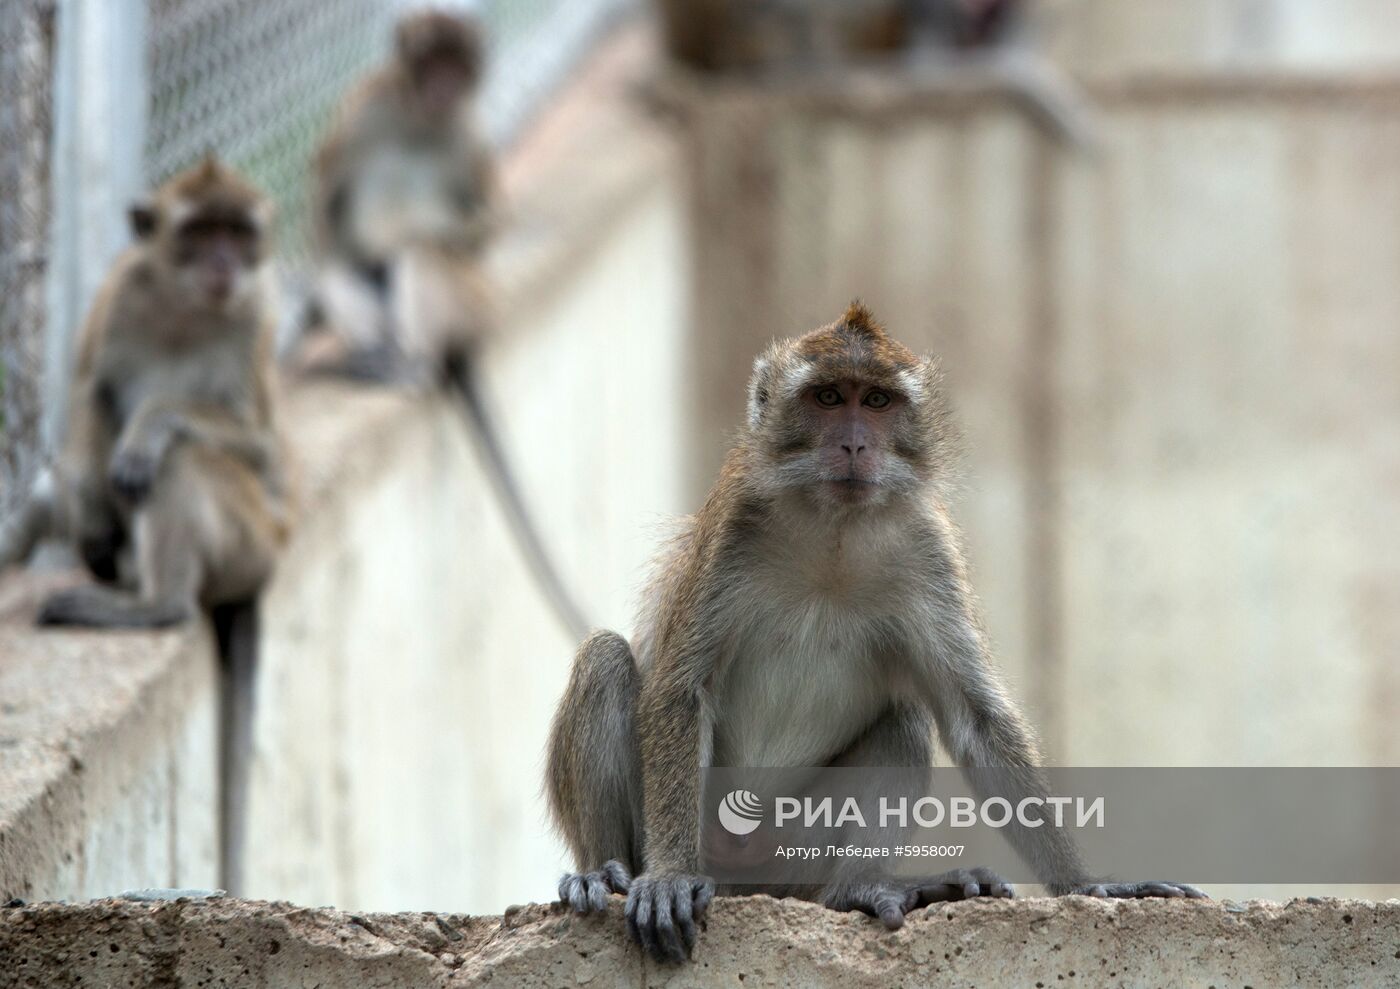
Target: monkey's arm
{"x": 476, "y": 193}
{"x": 665, "y": 901}
{"x": 987, "y": 735}
{"x": 669, "y": 896}
{"x": 158, "y": 424}
{"x": 336, "y": 161}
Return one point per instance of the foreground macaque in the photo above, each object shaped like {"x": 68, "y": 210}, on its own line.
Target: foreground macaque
{"x": 816, "y": 612}
{"x": 170, "y": 480}
{"x": 406, "y": 200}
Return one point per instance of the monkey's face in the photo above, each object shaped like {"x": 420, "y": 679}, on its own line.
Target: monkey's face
{"x": 442, "y": 55}
{"x": 841, "y": 439}
{"x": 205, "y": 233}
{"x": 845, "y": 416}
{"x": 214, "y": 254}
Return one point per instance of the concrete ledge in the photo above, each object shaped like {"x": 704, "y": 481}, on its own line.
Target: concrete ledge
{"x": 755, "y": 941}
{"x": 107, "y": 753}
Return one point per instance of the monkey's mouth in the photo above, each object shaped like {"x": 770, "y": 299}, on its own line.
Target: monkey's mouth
{"x": 852, "y": 489}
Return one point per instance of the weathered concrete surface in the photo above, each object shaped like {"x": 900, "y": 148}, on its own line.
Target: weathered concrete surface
{"x": 107, "y": 754}
{"x": 755, "y": 941}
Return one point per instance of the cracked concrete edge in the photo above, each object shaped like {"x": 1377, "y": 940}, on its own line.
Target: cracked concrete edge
{"x": 754, "y": 940}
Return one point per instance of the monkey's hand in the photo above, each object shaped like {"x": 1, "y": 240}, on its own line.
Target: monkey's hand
{"x": 1140, "y": 891}
{"x": 133, "y": 472}
{"x": 662, "y": 911}
{"x": 963, "y": 884}
{"x": 891, "y": 900}
{"x": 588, "y": 891}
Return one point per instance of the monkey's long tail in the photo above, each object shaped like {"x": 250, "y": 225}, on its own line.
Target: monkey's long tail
{"x": 463, "y": 379}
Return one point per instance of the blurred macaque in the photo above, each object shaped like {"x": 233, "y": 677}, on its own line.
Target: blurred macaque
{"x": 406, "y": 201}
{"x": 170, "y": 483}
{"x": 766, "y": 38}
{"x": 757, "y": 35}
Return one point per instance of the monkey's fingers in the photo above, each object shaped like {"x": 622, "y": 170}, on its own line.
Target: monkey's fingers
{"x": 638, "y": 913}
{"x": 683, "y": 904}
{"x": 583, "y": 892}
{"x": 704, "y": 892}
{"x": 963, "y": 884}
{"x": 890, "y": 906}
{"x": 587, "y": 892}
{"x": 615, "y": 874}
{"x": 888, "y": 903}
{"x": 661, "y": 914}
{"x": 1139, "y": 891}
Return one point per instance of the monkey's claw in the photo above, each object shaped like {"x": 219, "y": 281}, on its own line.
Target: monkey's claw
{"x": 963, "y": 884}
{"x": 588, "y": 892}
{"x": 133, "y": 472}
{"x": 1141, "y": 891}
{"x": 662, "y": 912}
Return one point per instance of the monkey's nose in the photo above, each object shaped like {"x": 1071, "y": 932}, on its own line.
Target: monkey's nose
{"x": 857, "y": 450}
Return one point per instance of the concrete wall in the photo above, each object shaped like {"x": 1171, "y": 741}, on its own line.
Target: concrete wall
{"x": 107, "y": 756}
{"x": 410, "y": 666}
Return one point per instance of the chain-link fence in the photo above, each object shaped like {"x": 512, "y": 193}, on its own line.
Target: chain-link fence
{"x": 26, "y": 48}
{"x": 256, "y": 80}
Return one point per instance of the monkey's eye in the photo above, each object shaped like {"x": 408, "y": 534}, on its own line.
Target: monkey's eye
{"x": 877, "y": 399}
{"x": 828, "y": 398}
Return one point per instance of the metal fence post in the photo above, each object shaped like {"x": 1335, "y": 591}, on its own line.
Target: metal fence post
{"x": 99, "y": 122}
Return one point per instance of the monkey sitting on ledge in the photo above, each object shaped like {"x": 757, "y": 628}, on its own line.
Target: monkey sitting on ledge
{"x": 816, "y": 612}
{"x": 406, "y": 199}
{"x": 170, "y": 482}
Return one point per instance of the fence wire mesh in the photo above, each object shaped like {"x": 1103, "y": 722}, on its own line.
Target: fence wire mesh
{"x": 256, "y": 80}
{"x": 26, "y": 48}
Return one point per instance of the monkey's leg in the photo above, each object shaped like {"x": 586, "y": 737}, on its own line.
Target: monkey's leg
{"x": 203, "y": 532}
{"x": 594, "y": 773}
{"x": 356, "y": 308}
{"x": 169, "y": 571}
{"x": 901, "y": 738}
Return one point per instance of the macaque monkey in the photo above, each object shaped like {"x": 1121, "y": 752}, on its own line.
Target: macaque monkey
{"x": 816, "y": 612}
{"x": 406, "y": 200}
{"x": 170, "y": 479}
{"x": 777, "y": 37}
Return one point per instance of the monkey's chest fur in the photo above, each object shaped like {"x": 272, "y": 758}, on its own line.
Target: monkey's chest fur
{"x": 807, "y": 670}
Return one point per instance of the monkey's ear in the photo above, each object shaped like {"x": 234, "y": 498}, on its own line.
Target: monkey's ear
{"x": 143, "y": 218}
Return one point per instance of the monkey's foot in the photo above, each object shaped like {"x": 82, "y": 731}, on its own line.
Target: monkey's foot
{"x": 98, "y": 606}
{"x": 662, "y": 912}
{"x": 588, "y": 891}
{"x": 890, "y": 901}
{"x": 1140, "y": 891}
{"x": 884, "y": 900}
{"x": 963, "y": 884}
